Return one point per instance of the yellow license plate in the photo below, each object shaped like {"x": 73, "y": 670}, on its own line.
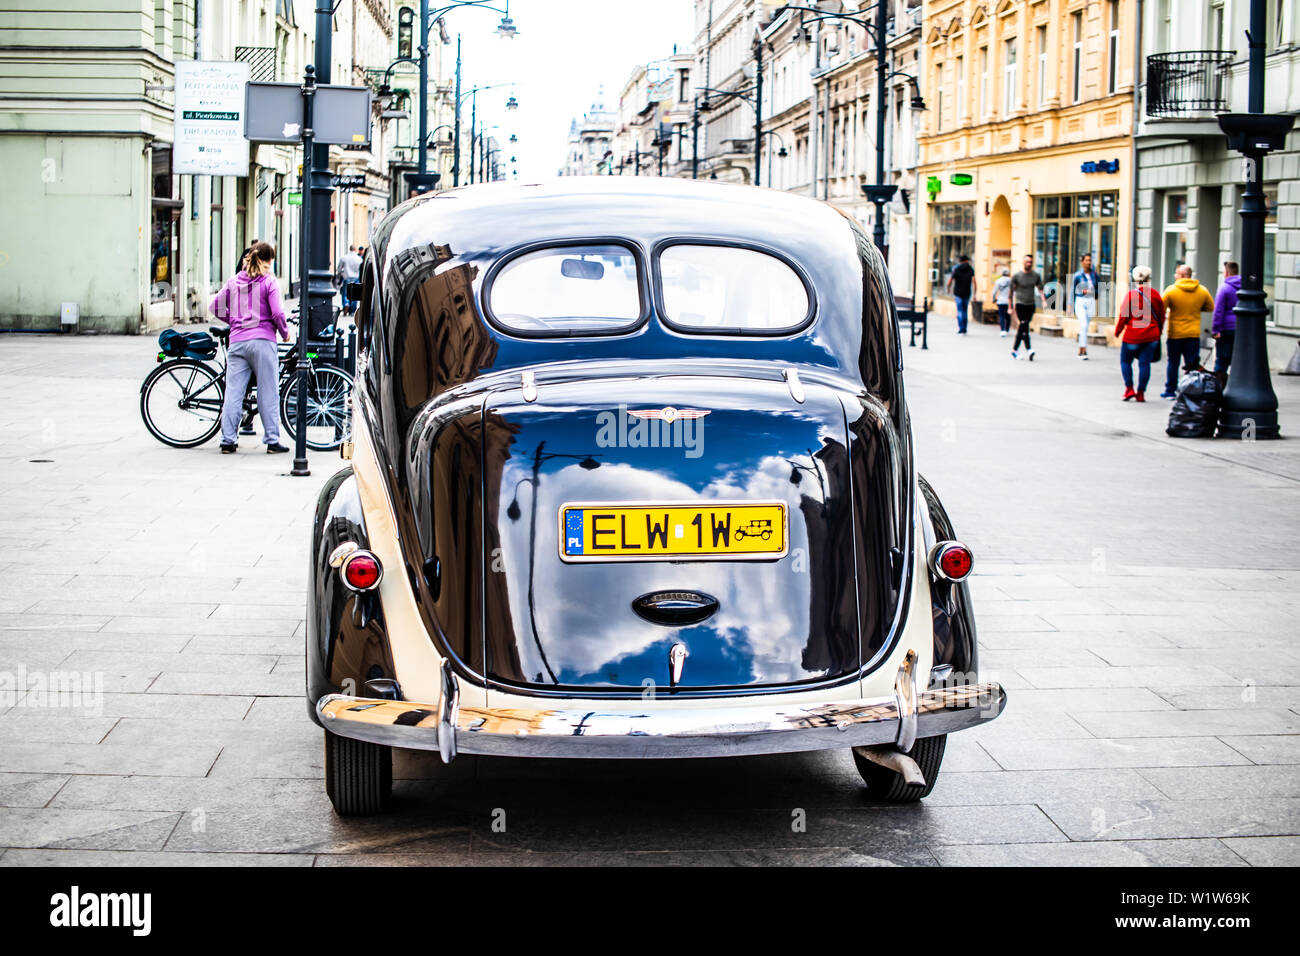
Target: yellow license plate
{"x": 718, "y": 530}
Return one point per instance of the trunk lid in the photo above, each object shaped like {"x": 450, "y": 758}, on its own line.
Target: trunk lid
{"x": 646, "y": 462}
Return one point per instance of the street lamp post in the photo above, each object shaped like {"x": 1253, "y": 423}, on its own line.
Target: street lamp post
{"x": 511, "y": 104}
{"x": 880, "y": 192}
{"x": 505, "y": 29}
{"x": 706, "y": 107}
{"x": 316, "y": 282}
{"x": 1249, "y": 402}
{"x": 695, "y": 140}
{"x": 782, "y": 152}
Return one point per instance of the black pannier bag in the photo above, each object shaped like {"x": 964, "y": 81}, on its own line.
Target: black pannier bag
{"x": 195, "y": 345}
{"x": 1196, "y": 407}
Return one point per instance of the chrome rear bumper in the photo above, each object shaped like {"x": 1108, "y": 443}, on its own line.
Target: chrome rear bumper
{"x": 667, "y": 733}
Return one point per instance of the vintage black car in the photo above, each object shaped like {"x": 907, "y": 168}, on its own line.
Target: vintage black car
{"x": 633, "y": 477}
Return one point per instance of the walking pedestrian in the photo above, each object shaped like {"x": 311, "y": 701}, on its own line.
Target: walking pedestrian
{"x": 1224, "y": 327}
{"x": 1002, "y": 299}
{"x": 250, "y": 302}
{"x": 1141, "y": 320}
{"x": 961, "y": 283}
{"x": 1083, "y": 291}
{"x": 349, "y": 270}
{"x": 1185, "y": 300}
{"x": 1026, "y": 293}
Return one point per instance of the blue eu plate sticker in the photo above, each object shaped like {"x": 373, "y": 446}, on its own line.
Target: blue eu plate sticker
{"x": 573, "y": 531}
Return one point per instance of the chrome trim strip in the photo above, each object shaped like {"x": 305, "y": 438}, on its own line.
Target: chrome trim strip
{"x": 528, "y": 385}
{"x": 578, "y": 731}
{"x": 905, "y": 695}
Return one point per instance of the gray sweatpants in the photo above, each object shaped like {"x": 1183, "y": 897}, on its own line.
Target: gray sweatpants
{"x": 245, "y": 359}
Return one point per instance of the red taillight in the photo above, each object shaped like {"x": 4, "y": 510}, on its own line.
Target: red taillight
{"x": 951, "y": 560}
{"x": 362, "y": 571}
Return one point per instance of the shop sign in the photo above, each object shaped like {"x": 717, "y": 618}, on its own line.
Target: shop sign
{"x": 1100, "y": 166}
{"x": 209, "y": 118}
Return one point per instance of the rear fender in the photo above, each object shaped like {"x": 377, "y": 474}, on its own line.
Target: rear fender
{"x": 347, "y": 643}
{"x": 954, "y": 619}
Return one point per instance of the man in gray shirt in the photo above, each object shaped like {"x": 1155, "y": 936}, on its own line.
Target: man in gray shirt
{"x": 1026, "y": 292}
{"x": 349, "y": 270}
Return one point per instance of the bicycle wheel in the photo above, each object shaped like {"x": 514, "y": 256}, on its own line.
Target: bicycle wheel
{"x": 329, "y": 422}
{"x": 180, "y": 402}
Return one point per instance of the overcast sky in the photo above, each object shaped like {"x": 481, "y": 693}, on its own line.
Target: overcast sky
{"x": 564, "y": 51}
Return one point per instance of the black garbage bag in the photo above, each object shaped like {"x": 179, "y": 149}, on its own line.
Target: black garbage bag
{"x": 1196, "y": 407}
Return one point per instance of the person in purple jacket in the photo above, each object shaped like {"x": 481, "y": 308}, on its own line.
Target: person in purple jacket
{"x": 250, "y": 302}
{"x": 1224, "y": 327}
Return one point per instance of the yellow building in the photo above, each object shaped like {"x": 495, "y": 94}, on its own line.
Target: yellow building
{"x": 1026, "y": 147}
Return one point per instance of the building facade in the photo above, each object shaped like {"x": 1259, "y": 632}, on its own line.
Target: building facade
{"x": 591, "y": 142}
{"x": 652, "y": 128}
{"x": 1189, "y": 185}
{"x": 818, "y": 105}
{"x": 91, "y": 115}
{"x": 1026, "y": 146}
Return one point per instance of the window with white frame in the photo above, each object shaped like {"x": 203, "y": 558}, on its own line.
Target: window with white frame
{"x": 1112, "y": 47}
{"x": 1076, "y": 66}
{"x": 984, "y": 83}
{"x": 1010, "y": 74}
{"x": 961, "y": 89}
{"x": 938, "y": 106}
{"x": 1042, "y": 66}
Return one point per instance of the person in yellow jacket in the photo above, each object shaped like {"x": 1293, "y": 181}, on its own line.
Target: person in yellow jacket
{"x": 1185, "y": 300}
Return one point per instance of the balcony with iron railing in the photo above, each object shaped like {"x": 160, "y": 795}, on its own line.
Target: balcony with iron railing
{"x": 1190, "y": 84}
{"x": 261, "y": 62}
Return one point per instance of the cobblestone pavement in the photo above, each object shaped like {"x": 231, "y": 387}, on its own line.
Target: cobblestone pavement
{"x": 1136, "y": 595}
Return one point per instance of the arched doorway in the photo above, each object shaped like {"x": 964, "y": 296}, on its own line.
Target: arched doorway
{"x": 1000, "y": 251}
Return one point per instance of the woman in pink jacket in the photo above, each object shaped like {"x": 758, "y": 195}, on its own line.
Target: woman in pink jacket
{"x": 250, "y": 302}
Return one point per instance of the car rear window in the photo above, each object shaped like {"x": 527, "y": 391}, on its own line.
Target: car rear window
{"x": 567, "y": 290}
{"x": 715, "y": 288}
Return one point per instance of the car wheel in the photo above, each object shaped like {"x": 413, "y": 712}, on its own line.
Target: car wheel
{"x": 889, "y": 787}
{"x": 358, "y": 775}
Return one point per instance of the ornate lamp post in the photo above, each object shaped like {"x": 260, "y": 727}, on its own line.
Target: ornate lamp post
{"x": 1249, "y": 402}
{"x": 428, "y": 17}
{"x": 880, "y": 192}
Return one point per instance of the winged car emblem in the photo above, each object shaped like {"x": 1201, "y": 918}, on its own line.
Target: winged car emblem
{"x": 668, "y": 413}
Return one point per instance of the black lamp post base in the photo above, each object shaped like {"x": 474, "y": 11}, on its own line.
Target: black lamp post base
{"x": 300, "y": 469}
{"x": 1245, "y": 425}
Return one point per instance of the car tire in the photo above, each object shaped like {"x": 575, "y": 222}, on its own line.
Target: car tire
{"x": 358, "y": 776}
{"x": 888, "y": 786}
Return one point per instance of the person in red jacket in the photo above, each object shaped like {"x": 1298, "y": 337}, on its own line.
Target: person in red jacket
{"x": 1141, "y": 319}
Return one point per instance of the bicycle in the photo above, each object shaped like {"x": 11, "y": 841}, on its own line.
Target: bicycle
{"x": 181, "y": 399}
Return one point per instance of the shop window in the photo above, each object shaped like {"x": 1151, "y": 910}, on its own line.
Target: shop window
{"x": 952, "y": 234}
{"x": 1065, "y": 228}
{"x": 1270, "y": 240}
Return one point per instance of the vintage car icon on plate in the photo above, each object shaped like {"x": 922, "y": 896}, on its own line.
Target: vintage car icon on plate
{"x": 616, "y": 434}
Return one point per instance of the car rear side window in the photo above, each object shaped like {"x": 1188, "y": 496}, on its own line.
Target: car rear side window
{"x": 731, "y": 289}
{"x": 567, "y": 290}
